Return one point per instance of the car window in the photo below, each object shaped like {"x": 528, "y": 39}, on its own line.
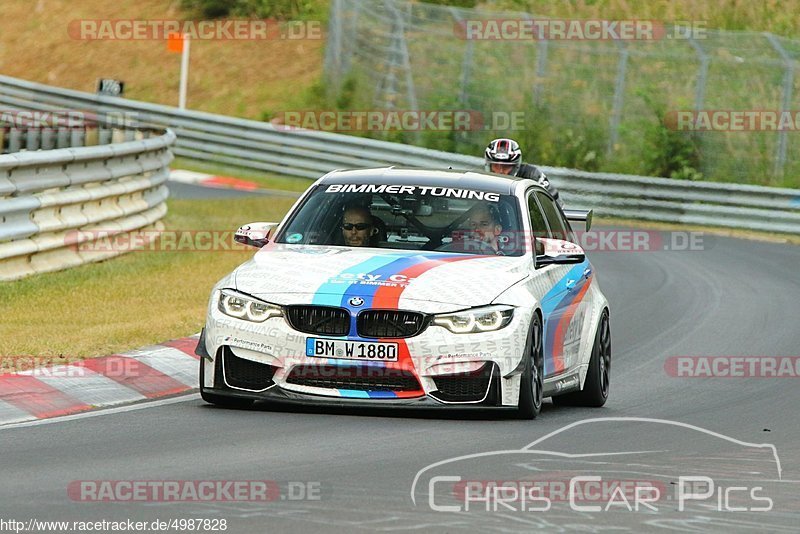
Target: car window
{"x": 538, "y": 225}
{"x": 551, "y": 213}
{"x": 407, "y": 217}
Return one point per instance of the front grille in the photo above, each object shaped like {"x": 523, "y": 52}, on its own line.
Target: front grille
{"x": 390, "y": 323}
{"x": 326, "y": 320}
{"x": 361, "y": 378}
{"x": 464, "y": 387}
{"x": 246, "y": 374}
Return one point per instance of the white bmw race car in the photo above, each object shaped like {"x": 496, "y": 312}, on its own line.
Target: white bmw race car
{"x": 391, "y": 287}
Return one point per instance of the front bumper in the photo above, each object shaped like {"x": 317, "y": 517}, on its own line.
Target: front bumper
{"x": 446, "y": 368}
{"x": 282, "y": 396}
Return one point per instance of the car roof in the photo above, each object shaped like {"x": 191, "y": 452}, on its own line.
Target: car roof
{"x": 457, "y": 179}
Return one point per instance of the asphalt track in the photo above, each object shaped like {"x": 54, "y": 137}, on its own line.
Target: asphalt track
{"x": 734, "y": 298}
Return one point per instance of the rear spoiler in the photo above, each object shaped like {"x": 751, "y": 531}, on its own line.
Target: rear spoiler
{"x": 584, "y": 216}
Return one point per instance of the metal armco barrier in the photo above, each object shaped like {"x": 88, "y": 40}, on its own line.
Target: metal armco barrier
{"x": 309, "y": 154}
{"x": 67, "y": 206}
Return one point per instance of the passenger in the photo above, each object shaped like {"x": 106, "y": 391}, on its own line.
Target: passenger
{"x": 484, "y": 221}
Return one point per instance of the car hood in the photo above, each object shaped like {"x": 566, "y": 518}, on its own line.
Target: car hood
{"x": 299, "y": 274}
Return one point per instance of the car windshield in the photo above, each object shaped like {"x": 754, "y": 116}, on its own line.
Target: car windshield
{"x": 408, "y": 217}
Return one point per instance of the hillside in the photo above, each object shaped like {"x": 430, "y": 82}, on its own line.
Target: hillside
{"x": 244, "y": 78}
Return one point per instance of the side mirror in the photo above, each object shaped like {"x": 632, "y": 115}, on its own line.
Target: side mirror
{"x": 255, "y": 234}
{"x": 557, "y": 252}
{"x": 582, "y": 216}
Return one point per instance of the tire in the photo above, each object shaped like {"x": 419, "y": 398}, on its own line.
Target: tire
{"x": 596, "y": 388}
{"x": 531, "y": 385}
{"x": 220, "y": 400}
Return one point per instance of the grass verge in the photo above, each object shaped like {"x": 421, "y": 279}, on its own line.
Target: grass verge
{"x": 263, "y": 179}
{"x": 127, "y": 302}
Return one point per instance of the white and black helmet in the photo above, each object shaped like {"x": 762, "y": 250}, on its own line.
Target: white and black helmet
{"x": 503, "y": 152}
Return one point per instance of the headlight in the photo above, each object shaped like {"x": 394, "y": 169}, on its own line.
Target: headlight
{"x": 241, "y": 306}
{"x": 483, "y": 319}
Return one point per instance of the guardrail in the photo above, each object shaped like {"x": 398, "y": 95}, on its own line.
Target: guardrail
{"x": 35, "y": 130}
{"x": 67, "y": 206}
{"x": 309, "y": 154}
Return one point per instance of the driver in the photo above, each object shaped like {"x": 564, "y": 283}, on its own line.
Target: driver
{"x": 357, "y": 226}
{"x": 484, "y": 221}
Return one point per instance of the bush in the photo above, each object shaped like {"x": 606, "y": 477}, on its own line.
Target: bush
{"x": 669, "y": 153}
{"x": 548, "y": 142}
{"x": 262, "y": 9}
{"x": 211, "y": 9}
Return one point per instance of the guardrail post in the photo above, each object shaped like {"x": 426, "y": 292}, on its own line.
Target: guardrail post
{"x": 62, "y": 137}
{"x": 619, "y": 96}
{"x": 702, "y": 74}
{"x": 103, "y": 136}
{"x": 48, "y": 139}
{"x": 14, "y": 140}
{"x": 91, "y": 137}
{"x": 398, "y": 60}
{"x": 786, "y": 103}
{"x": 466, "y": 71}
{"x": 76, "y": 137}
{"x": 32, "y": 138}
{"x": 352, "y": 9}
{"x": 541, "y": 70}
{"x": 333, "y": 49}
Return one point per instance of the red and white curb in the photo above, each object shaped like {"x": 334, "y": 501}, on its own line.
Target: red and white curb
{"x": 211, "y": 180}
{"x": 149, "y": 373}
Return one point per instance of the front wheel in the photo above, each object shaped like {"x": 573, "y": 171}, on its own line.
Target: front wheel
{"x": 531, "y": 386}
{"x": 595, "y": 390}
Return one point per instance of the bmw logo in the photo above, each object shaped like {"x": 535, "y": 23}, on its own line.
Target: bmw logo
{"x": 356, "y": 302}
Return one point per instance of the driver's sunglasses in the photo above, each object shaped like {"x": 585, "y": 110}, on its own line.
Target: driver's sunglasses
{"x": 358, "y": 226}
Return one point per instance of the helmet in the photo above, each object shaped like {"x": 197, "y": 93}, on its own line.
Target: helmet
{"x": 506, "y": 154}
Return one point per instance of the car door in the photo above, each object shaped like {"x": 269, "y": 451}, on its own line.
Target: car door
{"x": 562, "y": 306}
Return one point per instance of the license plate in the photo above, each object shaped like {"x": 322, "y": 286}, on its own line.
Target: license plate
{"x": 351, "y": 350}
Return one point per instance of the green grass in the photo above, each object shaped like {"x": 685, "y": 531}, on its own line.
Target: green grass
{"x": 775, "y": 16}
{"x": 130, "y": 301}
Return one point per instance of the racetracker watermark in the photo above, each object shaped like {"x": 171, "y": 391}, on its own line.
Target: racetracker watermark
{"x": 727, "y": 120}
{"x": 58, "y": 367}
{"x": 531, "y": 29}
{"x": 63, "y": 119}
{"x": 401, "y": 120}
{"x": 596, "y": 241}
{"x": 204, "y": 30}
{"x": 193, "y": 490}
{"x": 106, "y": 241}
{"x": 40, "y": 366}
{"x": 733, "y": 366}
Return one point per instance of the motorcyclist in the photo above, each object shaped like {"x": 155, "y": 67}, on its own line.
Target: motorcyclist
{"x": 503, "y": 156}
